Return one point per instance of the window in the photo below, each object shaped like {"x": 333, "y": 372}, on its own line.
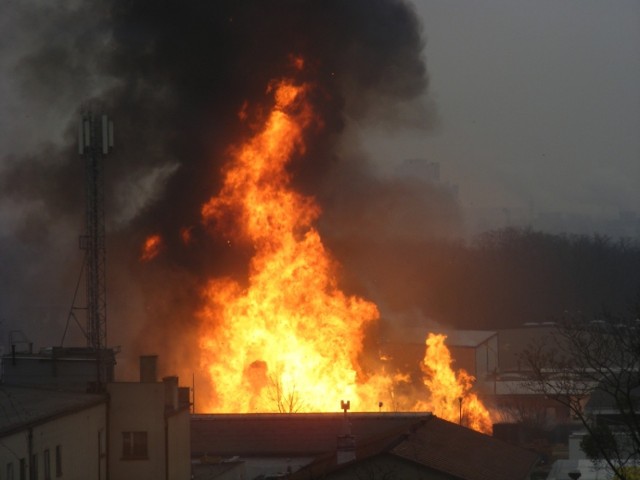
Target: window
{"x": 134, "y": 445}
{"x": 47, "y": 465}
{"x": 58, "y": 461}
{"x": 23, "y": 469}
{"x": 9, "y": 471}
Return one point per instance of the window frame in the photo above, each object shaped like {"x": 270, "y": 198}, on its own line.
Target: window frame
{"x": 135, "y": 445}
{"x": 58, "y": 461}
{"x": 47, "y": 464}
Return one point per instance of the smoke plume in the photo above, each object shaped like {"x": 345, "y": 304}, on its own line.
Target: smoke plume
{"x": 174, "y": 76}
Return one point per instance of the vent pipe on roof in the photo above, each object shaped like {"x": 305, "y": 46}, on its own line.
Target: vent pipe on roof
{"x": 346, "y": 451}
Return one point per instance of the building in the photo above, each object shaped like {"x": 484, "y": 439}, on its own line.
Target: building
{"x": 617, "y": 413}
{"x": 475, "y": 351}
{"x": 149, "y": 427}
{"x": 52, "y": 428}
{"x": 47, "y": 434}
{"x": 322, "y": 445}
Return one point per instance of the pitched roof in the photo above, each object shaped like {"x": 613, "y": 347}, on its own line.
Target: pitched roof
{"x": 420, "y": 438}
{"x": 436, "y": 444}
{"x": 464, "y": 453}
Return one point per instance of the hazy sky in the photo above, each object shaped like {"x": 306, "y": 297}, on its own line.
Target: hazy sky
{"x": 539, "y": 103}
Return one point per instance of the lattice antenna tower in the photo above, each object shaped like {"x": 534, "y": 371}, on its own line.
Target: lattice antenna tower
{"x": 95, "y": 141}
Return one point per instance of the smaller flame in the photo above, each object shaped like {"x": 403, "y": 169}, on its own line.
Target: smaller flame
{"x": 297, "y": 61}
{"x": 450, "y": 392}
{"x": 151, "y": 248}
{"x": 186, "y": 235}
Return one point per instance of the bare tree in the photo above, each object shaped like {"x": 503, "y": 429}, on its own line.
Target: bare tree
{"x": 529, "y": 411}
{"x": 286, "y": 400}
{"x": 593, "y": 369}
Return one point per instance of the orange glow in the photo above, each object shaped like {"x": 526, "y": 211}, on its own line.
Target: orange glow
{"x": 288, "y": 339}
{"x": 151, "y": 248}
{"x": 186, "y": 235}
{"x": 450, "y": 392}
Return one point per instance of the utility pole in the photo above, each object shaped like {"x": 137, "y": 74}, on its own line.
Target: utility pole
{"x": 95, "y": 141}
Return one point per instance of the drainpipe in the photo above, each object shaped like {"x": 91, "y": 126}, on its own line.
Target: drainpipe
{"x": 166, "y": 447}
{"x": 107, "y": 435}
{"x": 30, "y": 453}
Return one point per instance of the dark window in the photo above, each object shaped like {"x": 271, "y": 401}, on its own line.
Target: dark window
{"x": 134, "y": 445}
{"x": 23, "y": 469}
{"x": 47, "y": 465}
{"x": 9, "y": 471}
{"x": 58, "y": 461}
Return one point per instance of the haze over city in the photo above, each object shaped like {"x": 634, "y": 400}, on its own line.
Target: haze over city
{"x": 525, "y": 110}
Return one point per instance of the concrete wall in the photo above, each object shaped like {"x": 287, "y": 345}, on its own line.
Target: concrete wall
{"x": 76, "y": 434}
{"x": 179, "y": 445}
{"x": 137, "y": 407}
{"x": 487, "y": 358}
{"x": 143, "y": 407}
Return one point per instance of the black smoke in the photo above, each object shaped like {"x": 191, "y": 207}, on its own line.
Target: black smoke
{"x": 174, "y": 75}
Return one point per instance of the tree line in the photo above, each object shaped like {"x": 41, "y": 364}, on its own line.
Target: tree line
{"x": 500, "y": 279}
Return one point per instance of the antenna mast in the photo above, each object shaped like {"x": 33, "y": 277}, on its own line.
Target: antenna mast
{"x": 95, "y": 141}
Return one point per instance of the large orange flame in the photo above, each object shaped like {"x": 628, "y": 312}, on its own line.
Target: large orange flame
{"x": 289, "y": 339}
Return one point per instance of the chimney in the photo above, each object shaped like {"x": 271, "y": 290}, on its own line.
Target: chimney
{"x": 170, "y": 393}
{"x": 148, "y": 367}
{"x": 346, "y": 451}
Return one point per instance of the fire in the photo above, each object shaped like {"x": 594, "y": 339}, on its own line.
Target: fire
{"x": 151, "y": 248}
{"x": 288, "y": 339}
{"x": 186, "y": 235}
{"x": 450, "y": 393}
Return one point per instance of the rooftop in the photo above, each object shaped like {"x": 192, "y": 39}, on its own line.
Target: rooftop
{"x": 436, "y": 444}
{"x": 298, "y": 434}
{"x": 22, "y": 406}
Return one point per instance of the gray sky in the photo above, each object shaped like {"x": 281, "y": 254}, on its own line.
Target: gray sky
{"x": 539, "y": 103}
